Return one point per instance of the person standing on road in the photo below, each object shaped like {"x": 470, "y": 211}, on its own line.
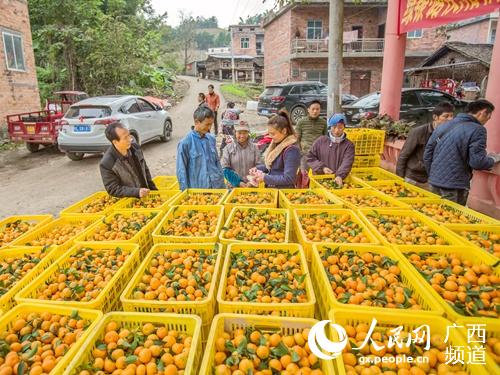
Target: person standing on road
{"x": 309, "y": 129}
{"x": 410, "y": 164}
{"x": 457, "y": 148}
{"x": 123, "y": 168}
{"x": 198, "y": 165}
{"x": 202, "y": 100}
{"x": 332, "y": 153}
{"x": 213, "y": 102}
{"x": 282, "y": 157}
{"x": 240, "y": 156}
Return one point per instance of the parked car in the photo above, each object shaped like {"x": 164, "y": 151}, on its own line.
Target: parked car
{"x": 416, "y": 105}
{"x": 295, "y": 97}
{"x": 84, "y": 123}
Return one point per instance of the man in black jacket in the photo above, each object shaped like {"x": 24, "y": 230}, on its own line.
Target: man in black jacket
{"x": 410, "y": 164}
{"x": 124, "y": 171}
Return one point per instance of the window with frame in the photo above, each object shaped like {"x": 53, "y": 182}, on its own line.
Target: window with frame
{"x": 493, "y": 31}
{"x": 415, "y": 34}
{"x": 13, "y": 47}
{"x": 245, "y": 42}
{"x": 145, "y": 106}
{"x": 314, "y": 29}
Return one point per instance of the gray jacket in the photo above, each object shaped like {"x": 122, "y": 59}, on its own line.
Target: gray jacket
{"x": 117, "y": 177}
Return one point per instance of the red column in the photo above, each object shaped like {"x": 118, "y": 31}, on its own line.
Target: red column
{"x": 485, "y": 189}
{"x": 394, "y": 62}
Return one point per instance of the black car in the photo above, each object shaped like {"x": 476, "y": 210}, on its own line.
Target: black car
{"x": 295, "y": 97}
{"x": 416, "y": 105}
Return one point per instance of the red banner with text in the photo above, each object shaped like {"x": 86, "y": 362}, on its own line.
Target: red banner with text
{"x": 421, "y": 14}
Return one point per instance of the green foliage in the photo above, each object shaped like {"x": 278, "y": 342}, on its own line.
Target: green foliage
{"x": 396, "y": 129}
{"x": 206, "y": 23}
{"x": 100, "y": 46}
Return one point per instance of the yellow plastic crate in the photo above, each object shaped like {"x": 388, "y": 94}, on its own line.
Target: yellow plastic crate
{"x": 490, "y": 234}
{"x": 205, "y": 309}
{"x": 363, "y": 161}
{"x": 456, "y": 213}
{"x": 465, "y": 253}
{"x": 366, "y": 141}
{"x": 225, "y": 241}
{"x": 388, "y": 321}
{"x": 492, "y": 327}
{"x": 329, "y": 301}
{"x": 372, "y": 174}
{"x": 308, "y": 244}
{"x": 93, "y": 316}
{"x": 36, "y": 220}
{"x": 401, "y": 190}
{"x": 285, "y": 202}
{"x": 108, "y": 297}
{"x": 234, "y": 195}
{"x": 218, "y": 193}
{"x": 7, "y": 299}
{"x": 302, "y": 310}
{"x": 265, "y": 324}
{"x": 78, "y": 207}
{"x": 166, "y": 182}
{"x": 346, "y": 195}
{"x": 89, "y": 221}
{"x": 442, "y": 233}
{"x": 325, "y": 181}
{"x": 142, "y": 238}
{"x": 158, "y": 237}
{"x": 189, "y": 324}
{"x": 165, "y": 197}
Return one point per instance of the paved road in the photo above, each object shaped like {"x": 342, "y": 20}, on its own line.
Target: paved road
{"x": 47, "y": 182}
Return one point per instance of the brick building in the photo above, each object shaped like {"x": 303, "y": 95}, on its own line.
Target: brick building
{"x": 248, "y": 49}
{"x": 247, "y": 40}
{"x": 296, "y": 44}
{"x": 480, "y": 30}
{"x": 457, "y": 61}
{"x": 18, "y": 83}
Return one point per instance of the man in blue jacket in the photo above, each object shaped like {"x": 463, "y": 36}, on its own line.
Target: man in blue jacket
{"x": 198, "y": 165}
{"x": 457, "y": 148}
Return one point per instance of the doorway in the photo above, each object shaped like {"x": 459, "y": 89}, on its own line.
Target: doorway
{"x": 360, "y": 82}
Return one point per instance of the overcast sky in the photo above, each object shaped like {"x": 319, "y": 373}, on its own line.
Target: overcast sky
{"x": 228, "y": 12}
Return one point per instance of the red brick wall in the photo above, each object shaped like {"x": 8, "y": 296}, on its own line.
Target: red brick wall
{"x": 362, "y": 16}
{"x": 245, "y": 33}
{"x": 431, "y": 40}
{"x": 277, "y": 44}
{"x": 474, "y": 33}
{"x": 18, "y": 90}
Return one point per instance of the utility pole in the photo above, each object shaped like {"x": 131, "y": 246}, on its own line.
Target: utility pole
{"x": 232, "y": 56}
{"x": 335, "y": 45}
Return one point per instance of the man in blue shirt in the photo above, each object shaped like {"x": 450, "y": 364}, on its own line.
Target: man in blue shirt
{"x": 198, "y": 166}
{"x": 456, "y": 148}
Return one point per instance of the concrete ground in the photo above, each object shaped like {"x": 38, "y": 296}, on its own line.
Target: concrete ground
{"x": 47, "y": 181}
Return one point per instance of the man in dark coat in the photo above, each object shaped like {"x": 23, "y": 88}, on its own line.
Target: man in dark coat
{"x": 410, "y": 164}
{"x": 332, "y": 153}
{"x": 124, "y": 171}
{"x": 457, "y": 148}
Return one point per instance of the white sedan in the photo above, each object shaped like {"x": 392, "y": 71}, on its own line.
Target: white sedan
{"x": 83, "y": 125}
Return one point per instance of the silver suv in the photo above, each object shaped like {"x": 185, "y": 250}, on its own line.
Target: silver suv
{"x": 83, "y": 125}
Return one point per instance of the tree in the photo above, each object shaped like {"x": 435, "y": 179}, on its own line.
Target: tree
{"x": 101, "y": 46}
{"x": 185, "y": 33}
{"x": 204, "y": 40}
{"x": 256, "y": 19}
{"x": 223, "y": 39}
{"x": 206, "y": 23}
